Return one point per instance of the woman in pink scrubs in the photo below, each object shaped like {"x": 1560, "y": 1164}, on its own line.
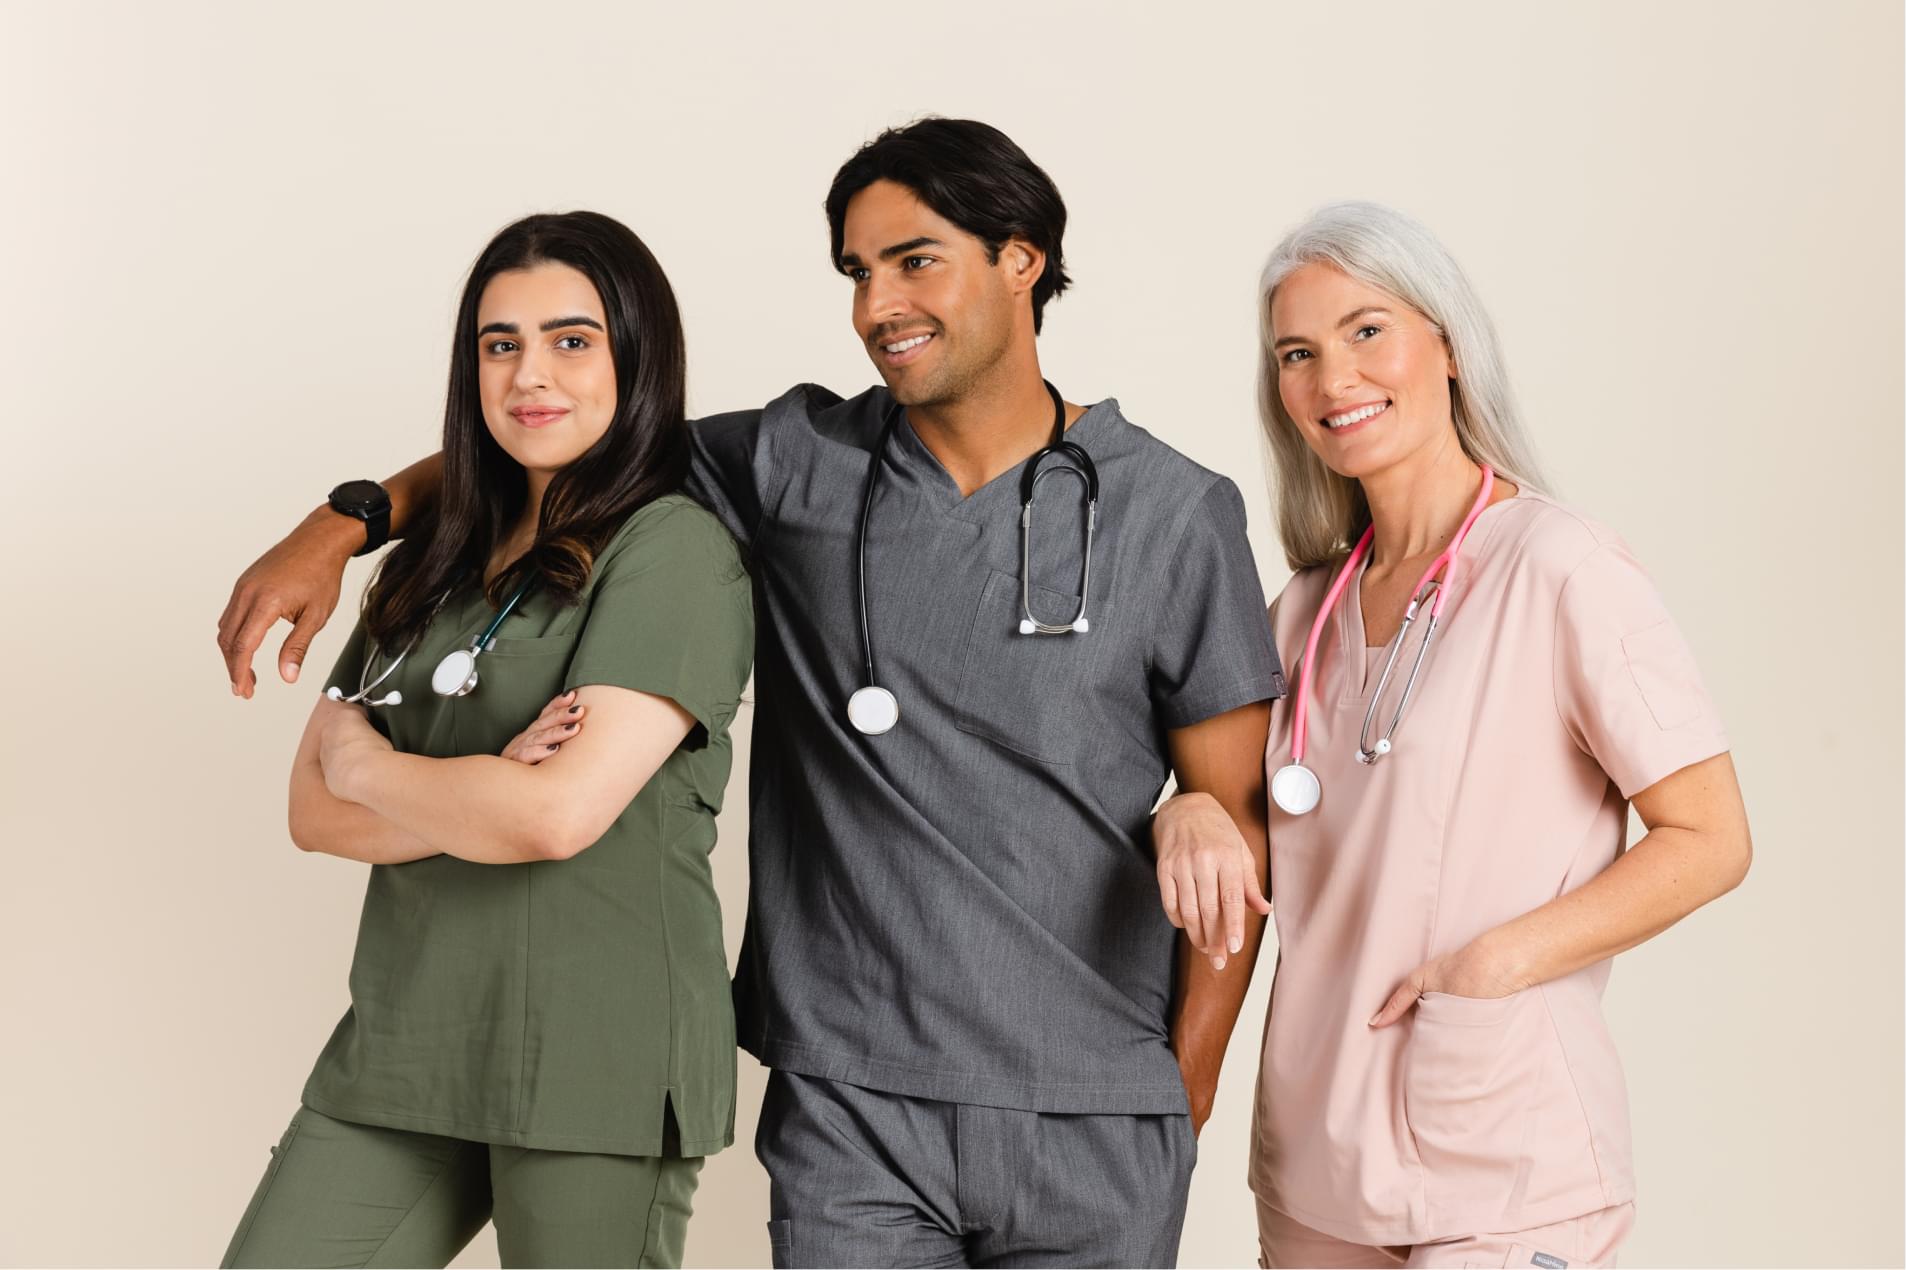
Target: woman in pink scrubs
{"x": 1438, "y": 1085}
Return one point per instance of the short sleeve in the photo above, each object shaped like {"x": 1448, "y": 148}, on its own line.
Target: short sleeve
{"x": 1213, "y": 650}
{"x": 1626, "y": 685}
{"x": 671, "y": 613}
{"x": 732, "y": 471}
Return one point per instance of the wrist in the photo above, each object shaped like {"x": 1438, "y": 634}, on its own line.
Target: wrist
{"x": 347, "y": 772}
{"x": 1186, "y": 803}
{"x": 369, "y": 504}
{"x": 342, "y": 535}
{"x": 1505, "y": 956}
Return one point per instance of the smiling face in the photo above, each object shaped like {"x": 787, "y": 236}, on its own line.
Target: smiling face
{"x": 544, "y": 369}
{"x": 1365, "y": 376}
{"x": 934, "y": 312}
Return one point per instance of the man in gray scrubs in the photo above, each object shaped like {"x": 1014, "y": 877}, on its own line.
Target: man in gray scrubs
{"x": 955, "y": 959}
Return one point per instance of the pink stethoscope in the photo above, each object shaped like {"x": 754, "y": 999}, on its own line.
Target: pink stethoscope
{"x": 1295, "y": 787}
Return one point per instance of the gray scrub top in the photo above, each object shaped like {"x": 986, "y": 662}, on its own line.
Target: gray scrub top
{"x": 964, "y": 908}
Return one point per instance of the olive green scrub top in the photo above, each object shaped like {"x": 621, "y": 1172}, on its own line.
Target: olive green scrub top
{"x": 561, "y": 1004}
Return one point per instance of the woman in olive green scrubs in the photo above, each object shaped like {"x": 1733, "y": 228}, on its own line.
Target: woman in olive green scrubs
{"x": 540, "y": 1031}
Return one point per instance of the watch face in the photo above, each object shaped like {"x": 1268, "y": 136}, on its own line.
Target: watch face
{"x": 359, "y": 496}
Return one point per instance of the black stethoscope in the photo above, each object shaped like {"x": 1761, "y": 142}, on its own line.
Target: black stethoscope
{"x": 872, "y": 709}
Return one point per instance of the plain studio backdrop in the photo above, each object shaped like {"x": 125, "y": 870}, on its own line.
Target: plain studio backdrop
{"x": 233, "y": 239}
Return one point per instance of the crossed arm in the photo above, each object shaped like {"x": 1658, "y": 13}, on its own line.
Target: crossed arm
{"x": 352, "y": 795}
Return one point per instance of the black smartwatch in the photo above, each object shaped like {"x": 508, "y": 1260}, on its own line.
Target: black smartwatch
{"x": 366, "y": 501}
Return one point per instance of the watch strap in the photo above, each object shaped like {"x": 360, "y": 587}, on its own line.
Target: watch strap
{"x": 376, "y": 531}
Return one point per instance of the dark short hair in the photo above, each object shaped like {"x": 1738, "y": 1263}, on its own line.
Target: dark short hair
{"x": 972, "y": 174}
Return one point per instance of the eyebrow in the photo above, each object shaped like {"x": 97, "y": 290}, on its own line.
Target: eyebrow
{"x": 1342, "y": 322}
{"x": 851, "y": 261}
{"x": 554, "y": 324}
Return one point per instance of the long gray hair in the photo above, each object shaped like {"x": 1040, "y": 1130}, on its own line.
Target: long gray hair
{"x": 1319, "y": 513}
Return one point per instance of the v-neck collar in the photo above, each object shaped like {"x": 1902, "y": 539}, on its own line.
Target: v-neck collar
{"x": 1359, "y": 659}
{"x": 1086, "y": 427}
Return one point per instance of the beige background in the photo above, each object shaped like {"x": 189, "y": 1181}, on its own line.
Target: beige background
{"x": 233, "y": 236}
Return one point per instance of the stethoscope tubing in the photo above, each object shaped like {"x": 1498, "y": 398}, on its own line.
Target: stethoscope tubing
{"x": 477, "y": 646}
{"x": 1444, "y": 564}
{"x": 881, "y": 711}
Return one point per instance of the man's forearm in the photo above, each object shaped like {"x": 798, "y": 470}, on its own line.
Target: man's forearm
{"x": 1206, "y": 1005}
{"x": 413, "y": 491}
{"x": 1205, "y": 1011}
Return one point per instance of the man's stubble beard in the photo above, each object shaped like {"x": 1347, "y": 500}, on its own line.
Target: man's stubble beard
{"x": 958, "y": 377}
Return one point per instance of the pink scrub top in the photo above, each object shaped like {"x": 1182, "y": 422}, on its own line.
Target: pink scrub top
{"x": 1557, "y": 689}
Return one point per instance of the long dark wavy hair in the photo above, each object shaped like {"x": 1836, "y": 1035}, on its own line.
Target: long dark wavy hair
{"x": 642, "y": 456}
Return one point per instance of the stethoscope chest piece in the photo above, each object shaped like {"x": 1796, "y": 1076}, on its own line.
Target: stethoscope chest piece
{"x": 1296, "y": 788}
{"x": 456, "y": 674}
{"x": 873, "y": 710}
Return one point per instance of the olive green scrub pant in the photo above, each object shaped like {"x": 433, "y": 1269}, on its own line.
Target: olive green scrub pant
{"x": 341, "y": 1194}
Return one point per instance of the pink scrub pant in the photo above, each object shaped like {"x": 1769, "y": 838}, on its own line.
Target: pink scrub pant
{"x": 1589, "y": 1240}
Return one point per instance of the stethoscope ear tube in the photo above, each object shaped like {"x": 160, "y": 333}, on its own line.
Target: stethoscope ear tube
{"x": 1029, "y": 624}
{"x": 1294, "y": 787}
{"x": 872, "y": 709}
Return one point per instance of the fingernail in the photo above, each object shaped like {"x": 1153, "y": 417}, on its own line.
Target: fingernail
{"x": 1237, "y": 944}
{"x": 569, "y": 727}
{"x": 1372, "y": 1020}
{"x": 1217, "y": 963}
{"x": 575, "y": 709}
{"x": 291, "y": 672}
{"x": 552, "y": 749}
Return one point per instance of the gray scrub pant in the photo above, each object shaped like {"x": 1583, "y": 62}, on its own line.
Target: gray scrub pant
{"x": 342, "y": 1194}
{"x": 864, "y": 1178}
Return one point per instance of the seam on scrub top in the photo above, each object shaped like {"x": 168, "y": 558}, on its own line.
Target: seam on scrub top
{"x": 1068, "y": 1086}
{"x": 511, "y": 1137}
{"x": 766, "y": 519}
{"x": 1594, "y": 1148}
{"x": 1191, "y": 509}
{"x": 1209, "y": 703}
{"x": 668, "y": 962}
{"x": 1453, "y": 781}
{"x": 1555, "y": 653}
{"x": 522, "y": 1053}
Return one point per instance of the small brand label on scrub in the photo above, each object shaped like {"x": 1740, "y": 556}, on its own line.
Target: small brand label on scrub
{"x": 1547, "y": 1262}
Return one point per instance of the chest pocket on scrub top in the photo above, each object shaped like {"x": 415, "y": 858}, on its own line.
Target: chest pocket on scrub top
{"x": 1021, "y": 691}
{"x": 519, "y": 676}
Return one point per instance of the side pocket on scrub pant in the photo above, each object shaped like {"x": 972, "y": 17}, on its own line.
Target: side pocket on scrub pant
{"x": 258, "y": 1196}
{"x": 781, "y": 1243}
{"x": 1471, "y": 1069}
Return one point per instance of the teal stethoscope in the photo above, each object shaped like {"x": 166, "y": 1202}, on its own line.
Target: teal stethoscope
{"x": 455, "y": 675}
